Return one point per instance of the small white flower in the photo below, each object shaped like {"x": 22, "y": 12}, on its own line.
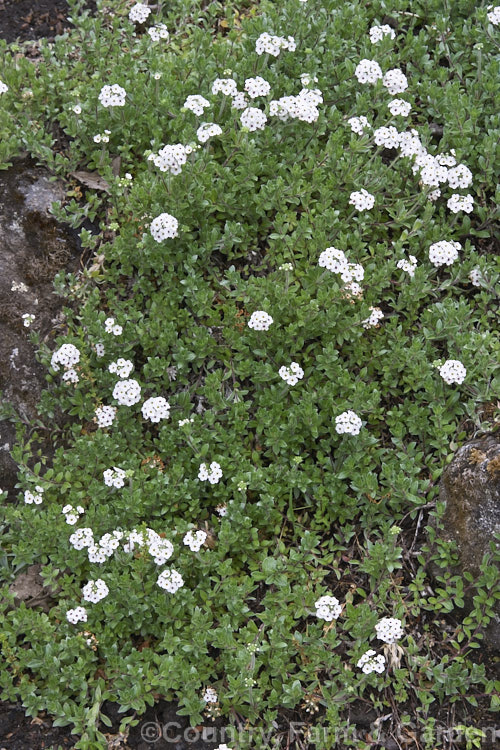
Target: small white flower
{"x": 362, "y": 200}
{"x": 395, "y": 81}
{"x": 111, "y": 327}
{"x": 195, "y": 540}
{"x": 208, "y": 130}
{"x": 35, "y": 497}
{"x": 272, "y": 45}
{"x": 112, "y": 96}
{"x": 105, "y": 415}
{"x": 493, "y": 14}
{"x": 453, "y": 371}
{"x": 196, "y": 104}
{"x": 476, "y": 277}
{"x": 226, "y": 86}
{"x": 328, "y": 608}
{"x": 114, "y": 477}
{"x": 221, "y": 510}
{"x": 376, "y": 315}
{"x": 212, "y": 474}
{"x": 260, "y": 321}
{"x": 377, "y": 33}
{"x": 359, "y": 124}
{"x": 444, "y": 253}
{"x": 210, "y": 695}
{"x": 389, "y": 629}
{"x": 79, "y": 614}
{"x": 257, "y": 87}
{"x": 399, "y": 107}
{"x": 155, "y": 409}
{"x": 157, "y": 32}
{"x": 164, "y": 227}
{"x": 28, "y": 319}
{"x": 127, "y": 392}
{"x": 94, "y": 591}
{"x": 461, "y": 203}
{"x": 170, "y": 580}
{"x": 291, "y": 374}
{"x": 77, "y": 109}
{"x": 408, "y": 265}
{"x": 368, "y": 71}
{"x": 370, "y": 662}
{"x": 253, "y": 119}
{"x": 348, "y": 422}
{"x": 139, "y": 13}
{"x": 3, "y": 87}
{"x": 122, "y": 367}
{"x": 183, "y": 422}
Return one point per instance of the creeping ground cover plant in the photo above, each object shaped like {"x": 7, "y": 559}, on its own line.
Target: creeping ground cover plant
{"x": 284, "y": 327}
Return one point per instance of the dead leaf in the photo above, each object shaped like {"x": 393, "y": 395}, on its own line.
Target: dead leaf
{"x": 92, "y": 180}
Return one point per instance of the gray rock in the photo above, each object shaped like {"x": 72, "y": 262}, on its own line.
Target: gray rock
{"x": 33, "y": 248}
{"x": 470, "y": 489}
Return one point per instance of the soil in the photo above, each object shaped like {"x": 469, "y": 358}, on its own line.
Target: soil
{"x": 28, "y": 20}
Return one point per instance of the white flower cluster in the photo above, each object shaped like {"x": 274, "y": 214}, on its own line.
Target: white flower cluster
{"x": 196, "y": 104}
{"x": 155, "y": 409}
{"x": 226, "y": 86}
{"x": 72, "y": 514}
{"x": 208, "y": 130}
{"x": 3, "y": 87}
{"x": 372, "y": 321}
{"x": 459, "y": 177}
{"x": 221, "y": 510}
{"x": 28, "y": 319}
{"x": 160, "y": 550}
{"x": 494, "y": 14}
{"x": 122, "y": 367}
{"x": 368, "y": 71}
{"x": 211, "y": 474}
{"x": 239, "y": 101}
{"x": 395, "y": 81}
{"x": 78, "y": 614}
{"x": 183, "y": 422}
{"x": 102, "y": 137}
{"x": 386, "y": 136}
{"x": 389, "y": 629}
{"x": 170, "y": 580}
{"x": 476, "y": 277}
{"x": 99, "y": 553}
{"x": 301, "y": 107}
{"x": 71, "y": 376}
{"x": 399, "y": 107}
{"x": 260, "y": 321}
{"x": 114, "y": 477}
{"x": 359, "y": 124}
{"x": 336, "y": 262}
{"x": 291, "y": 374}
{"x": 362, "y": 200}
{"x": 408, "y": 265}
{"x": 170, "y": 158}
{"x": 139, "y": 13}
{"x": 164, "y": 227}
{"x": 112, "y": 96}
{"x": 158, "y": 31}
{"x": 99, "y": 350}
{"x": 348, "y": 422}
{"x": 105, "y": 415}
{"x": 195, "y": 540}
{"x": 459, "y": 202}
{"x": 127, "y": 392}
{"x": 94, "y": 591}
{"x": 66, "y": 356}
{"x": 257, "y": 86}
{"x": 444, "y": 253}
{"x": 453, "y": 371}
{"x": 210, "y": 695}
{"x": 111, "y": 327}
{"x": 377, "y": 33}
{"x": 328, "y": 608}
{"x": 370, "y": 662}
{"x": 253, "y": 118}
{"x": 35, "y": 497}
{"x": 82, "y": 538}
{"x": 272, "y": 45}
